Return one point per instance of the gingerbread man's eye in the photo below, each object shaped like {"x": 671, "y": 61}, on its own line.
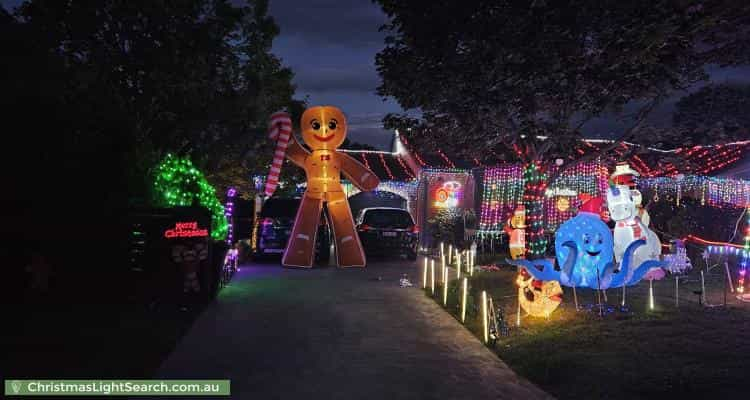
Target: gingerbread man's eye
{"x": 315, "y": 124}
{"x": 332, "y": 124}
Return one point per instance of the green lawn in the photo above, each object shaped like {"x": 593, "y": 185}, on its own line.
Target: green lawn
{"x": 686, "y": 352}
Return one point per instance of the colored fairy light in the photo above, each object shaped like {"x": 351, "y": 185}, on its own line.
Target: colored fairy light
{"x": 503, "y": 189}
{"x": 535, "y": 185}
{"x": 178, "y": 183}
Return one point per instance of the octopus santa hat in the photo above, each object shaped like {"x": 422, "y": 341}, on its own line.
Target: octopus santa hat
{"x": 592, "y": 206}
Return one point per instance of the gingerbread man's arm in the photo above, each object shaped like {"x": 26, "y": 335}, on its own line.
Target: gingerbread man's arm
{"x": 296, "y": 153}
{"x": 358, "y": 174}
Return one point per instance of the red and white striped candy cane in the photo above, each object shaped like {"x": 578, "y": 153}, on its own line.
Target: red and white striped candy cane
{"x": 279, "y": 129}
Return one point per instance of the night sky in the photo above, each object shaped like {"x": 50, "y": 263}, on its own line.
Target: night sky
{"x": 331, "y": 45}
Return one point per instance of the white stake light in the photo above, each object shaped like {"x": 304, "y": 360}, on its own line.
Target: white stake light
{"x": 465, "y": 287}
{"x": 518, "y": 313}
{"x": 442, "y": 263}
{"x": 424, "y": 274}
{"x": 450, "y": 253}
{"x": 445, "y": 286}
{"x": 432, "y": 276}
{"x": 471, "y": 260}
{"x": 484, "y": 316}
{"x": 650, "y": 294}
{"x": 458, "y": 260}
{"x": 458, "y": 273}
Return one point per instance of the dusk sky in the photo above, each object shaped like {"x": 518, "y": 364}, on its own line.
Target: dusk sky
{"x": 331, "y": 45}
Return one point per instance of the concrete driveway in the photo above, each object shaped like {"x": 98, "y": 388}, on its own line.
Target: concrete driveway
{"x": 333, "y": 333}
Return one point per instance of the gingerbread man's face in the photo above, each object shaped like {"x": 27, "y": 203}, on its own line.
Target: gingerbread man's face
{"x": 323, "y": 127}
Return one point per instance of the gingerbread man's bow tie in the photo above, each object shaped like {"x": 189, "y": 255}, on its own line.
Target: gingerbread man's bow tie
{"x": 325, "y": 157}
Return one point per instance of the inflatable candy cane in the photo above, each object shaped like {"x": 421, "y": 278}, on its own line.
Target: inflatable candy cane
{"x": 279, "y": 129}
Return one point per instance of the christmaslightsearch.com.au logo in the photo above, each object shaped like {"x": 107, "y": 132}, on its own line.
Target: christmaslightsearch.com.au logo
{"x": 33, "y": 387}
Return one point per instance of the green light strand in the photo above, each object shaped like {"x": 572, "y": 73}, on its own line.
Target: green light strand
{"x": 178, "y": 183}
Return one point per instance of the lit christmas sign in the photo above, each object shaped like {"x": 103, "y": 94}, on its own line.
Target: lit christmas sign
{"x": 185, "y": 229}
{"x": 448, "y": 195}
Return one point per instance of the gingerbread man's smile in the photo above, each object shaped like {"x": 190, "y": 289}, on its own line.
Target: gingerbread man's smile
{"x": 324, "y": 138}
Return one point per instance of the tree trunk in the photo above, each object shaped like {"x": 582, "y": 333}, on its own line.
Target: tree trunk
{"x": 535, "y": 184}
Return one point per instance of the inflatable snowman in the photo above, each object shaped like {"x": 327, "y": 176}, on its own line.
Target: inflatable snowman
{"x": 629, "y": 228}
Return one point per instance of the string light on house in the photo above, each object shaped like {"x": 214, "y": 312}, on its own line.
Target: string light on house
{"x": 715, "y": 192}
{"x": 364, "y": 160}
{"x": 406, "y": 169}
{"x": 446, "y": 159}
{"x": 385, "y": 166}
{"x": 503, "y": 189}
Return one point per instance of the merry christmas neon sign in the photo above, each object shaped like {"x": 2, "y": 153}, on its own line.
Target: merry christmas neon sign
{"x": 185, "y": 229}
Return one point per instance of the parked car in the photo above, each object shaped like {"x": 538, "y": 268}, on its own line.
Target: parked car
{"x": 384, "y": 230}
{"x": 275, "y": 225}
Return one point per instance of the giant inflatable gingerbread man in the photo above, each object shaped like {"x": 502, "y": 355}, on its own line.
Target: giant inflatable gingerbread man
{"x": 323, "y": 130}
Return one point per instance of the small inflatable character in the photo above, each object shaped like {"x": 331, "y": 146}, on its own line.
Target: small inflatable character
{"x": 515, "y": 230}
{"x": 629, "y": 228}
{"x": 584, "y": 252}
{"x": 625, "y": 176}
{"x": 324, "y": 130}
{"x": 538, "y": 298}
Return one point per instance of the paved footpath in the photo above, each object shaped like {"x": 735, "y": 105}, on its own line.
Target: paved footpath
{"x": 329, "y": 333}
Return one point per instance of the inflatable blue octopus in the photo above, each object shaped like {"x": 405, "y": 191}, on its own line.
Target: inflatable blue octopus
{"x": 584, "y": 250}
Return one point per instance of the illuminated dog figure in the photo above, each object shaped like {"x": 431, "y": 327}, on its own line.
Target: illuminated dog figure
{"x": 324, "y": 130}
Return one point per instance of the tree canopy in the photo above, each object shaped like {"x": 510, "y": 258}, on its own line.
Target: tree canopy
{"x": 193, "y": 77}
{"x": 721, "y": 107}
{"x": 96, "y": 93}
{"x": 498, "y": 74}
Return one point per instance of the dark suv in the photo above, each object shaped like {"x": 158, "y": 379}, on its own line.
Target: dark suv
{"x": 275, "y": 225}
{"x": 387, "y": 230}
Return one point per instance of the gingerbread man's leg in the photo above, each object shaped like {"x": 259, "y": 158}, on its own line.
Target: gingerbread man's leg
{"x": 300, "y": 250}
{"x": 349, "y": 251}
